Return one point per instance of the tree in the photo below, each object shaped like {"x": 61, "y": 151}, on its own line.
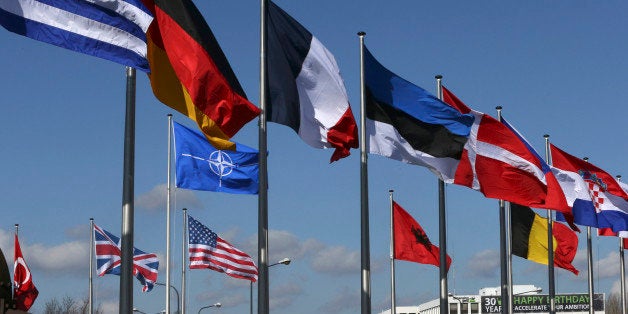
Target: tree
{"x": 613, "y": 304}
{"x": 69, "y": 305}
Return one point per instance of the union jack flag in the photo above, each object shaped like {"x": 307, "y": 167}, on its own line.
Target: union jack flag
{"x": 145, "y": 265}
{"x": 208, "y": 250}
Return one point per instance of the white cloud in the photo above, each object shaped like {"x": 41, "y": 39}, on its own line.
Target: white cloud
{"x": 608, "y": 267}
{"x": 155, "y": 199}
{"x": 284, "y": 295}
{"x": 346, "y": 299}
{"x": 69, "y": 257}
{"x": 336, "y": 260}
{"x": 484, "y": 264}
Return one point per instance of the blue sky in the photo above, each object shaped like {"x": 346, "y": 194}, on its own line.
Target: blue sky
{"x": 556, "y": 67}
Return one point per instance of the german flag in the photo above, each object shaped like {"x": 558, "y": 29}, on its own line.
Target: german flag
{"x": 191, "y": 74}
{"x": 529, "y": 238}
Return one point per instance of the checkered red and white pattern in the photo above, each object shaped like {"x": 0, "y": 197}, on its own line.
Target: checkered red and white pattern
{"x": 597, "y": 195}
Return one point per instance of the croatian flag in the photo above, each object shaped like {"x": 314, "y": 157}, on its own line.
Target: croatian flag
{"x": 108, "y": 256}
{"x": 110, "y": 29}
{"x": 597, "y": 198}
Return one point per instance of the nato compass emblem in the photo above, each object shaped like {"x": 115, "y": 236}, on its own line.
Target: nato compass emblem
{"x": 220, "y": 163}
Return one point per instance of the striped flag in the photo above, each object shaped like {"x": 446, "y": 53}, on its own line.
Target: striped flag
{"x": 304, "y": 88}
{"x": 110, "y": 29}
{"x": 208, "y": 250}
{"x": 145, "y": 265}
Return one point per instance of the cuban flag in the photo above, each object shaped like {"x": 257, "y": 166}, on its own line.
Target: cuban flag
{"x": 110, "y": 29}
{"x": 596, "y": 197}
{"x": 108, "y": 256}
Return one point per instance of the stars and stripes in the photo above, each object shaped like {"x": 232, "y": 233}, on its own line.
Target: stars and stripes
{"x": 108, "y": 256}
{"x": 208, "y": 250}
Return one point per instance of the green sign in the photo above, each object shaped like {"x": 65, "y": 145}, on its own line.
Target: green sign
{"x": 538, "y": 303}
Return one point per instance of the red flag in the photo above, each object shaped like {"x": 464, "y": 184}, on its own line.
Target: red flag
{"x": 500, "y": 163}
{"x": 410, "y": 241}
{"x": 25, "y": 292}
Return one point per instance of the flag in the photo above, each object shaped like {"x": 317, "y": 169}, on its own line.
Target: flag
{"x": 24, "y": 291}
{"x": 199, "y": 166}
{"x": 529, "y": 238}
{"x": 191, "y": 74}
{"x": 608, "y": 232}
{"x": 406, "y": 123}
{"x": 304, "y": 89}
{"x": 500, "y": 163}
{"x": 145, "y": 265}
{"x": 597, "y": 198}
{"x": 208, "y": 250}
{"x": 110, "y": 29}
{"x": 410, "y": 241}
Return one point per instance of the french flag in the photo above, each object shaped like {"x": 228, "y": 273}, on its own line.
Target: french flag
{"x": 597, "y": 198}
{"x": 500, "y": 163}
{"x": 304, "y": 88}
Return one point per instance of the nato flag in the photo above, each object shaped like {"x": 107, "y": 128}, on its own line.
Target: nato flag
{"x": 200, "y": 166}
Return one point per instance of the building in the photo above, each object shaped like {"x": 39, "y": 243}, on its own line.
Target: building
{"x": 526, "y": 299}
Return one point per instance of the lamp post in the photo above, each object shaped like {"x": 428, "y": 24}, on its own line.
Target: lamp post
{"x": 284, "y": 261}
{"x": 537, "y": 290}
{"x": 175, "y": 291}
{"x": 460, "y": 300}
{"x": 206, "y": 307}
{"x": 136, "y": 310}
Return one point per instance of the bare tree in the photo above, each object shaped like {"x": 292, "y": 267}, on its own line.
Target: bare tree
{"x": 613, "y": 304}
{"x": 69, "y": 305}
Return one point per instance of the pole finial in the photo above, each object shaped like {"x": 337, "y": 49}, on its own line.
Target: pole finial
{"x": 585, "y": 158}
{"x": 390, "y": 191}
{"x": 498, "y": 107}
{"x": 91, "y": 219}
{"x": 545, "y": 136}
{"x": 618, "y": 176}
{"x": 361, "y": 34}
{"x": 184, "y": 209}
{"x": 169, "y": 115}
{"x": 438, "y": 76}
{"x": 17, "y": 225}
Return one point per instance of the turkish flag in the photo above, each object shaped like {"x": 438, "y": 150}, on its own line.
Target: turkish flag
{"x": 25, "y": 292}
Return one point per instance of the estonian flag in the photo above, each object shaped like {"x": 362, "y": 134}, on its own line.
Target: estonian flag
{"x": 304, "y": 89}
{"x": 529, "y": 238}
{"x": 406, "y": 123}
{"x": 191, "y": 74}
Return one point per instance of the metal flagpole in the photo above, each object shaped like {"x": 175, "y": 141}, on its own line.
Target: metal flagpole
{"x": 622, "y": 272}
{"x": 262, "y": 224}
{"x": 91, "y": 266}
{"x": 128, "y": 181}
{"x": 184, "y": 259}
{"x": 550, "y": 243}
{"x": 442, "y": 227}
{"x": 364, "y": 194}
{"x": 168, "y": 228}
{"x": 17, "y": 226}
{"x": 505, "y": 293}
{"x": 393, "y": 308}
{"x": 168, "y": 183}
{"x": 509, "y": 253}
{"x": 589, "y": 262}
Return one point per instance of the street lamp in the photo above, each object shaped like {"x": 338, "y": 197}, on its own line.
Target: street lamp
{"x": 460, "y": 300}
{"x": 284, "y": 261}
{"x": 175, "y": 290}
{"x": 206, "y": 307}
{"x": 536, "y": 289}
{"x": 138, "y": 310}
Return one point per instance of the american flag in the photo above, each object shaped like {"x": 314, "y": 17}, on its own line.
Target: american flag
{"x": 208, "y": 250}
{"x": 145, "y": 265}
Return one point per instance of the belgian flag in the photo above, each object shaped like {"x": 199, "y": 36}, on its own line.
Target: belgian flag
{"x": 191, "y": 74}
{"x": 529, "y": 238}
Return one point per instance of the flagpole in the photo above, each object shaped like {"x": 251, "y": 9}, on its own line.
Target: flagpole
{"x": 589, "y": 262}
{"x": 509, "y": 252}
{"x": 262, "y": 225}
{"x": 184, "y": 259}
{"x": 17, "y": 226}
{"x": 365, "y": 296}
{"x": 622, "y": 272}
{"x": 126, "y": 249}
{"x": 505, "y": 293}
{"x": 393, "y": 308}
{"x": 168, "y": 183}
{"x": 91, "y": 265}
{"x": 550, "y": 242}
{"x": 442, "y": 230}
